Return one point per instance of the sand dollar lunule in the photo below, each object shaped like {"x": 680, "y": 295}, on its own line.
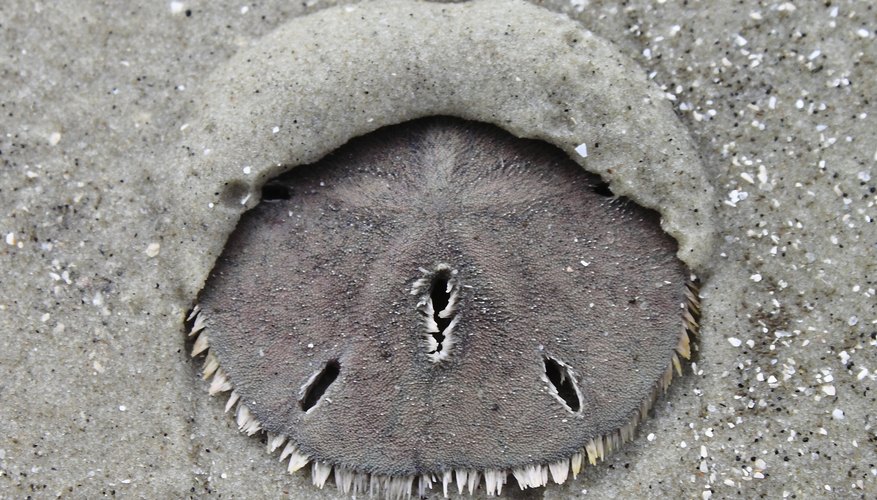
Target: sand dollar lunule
{"x": 441, "y": 301}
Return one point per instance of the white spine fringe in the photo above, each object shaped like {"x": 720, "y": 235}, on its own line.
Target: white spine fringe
{"x": 400, "y": 487}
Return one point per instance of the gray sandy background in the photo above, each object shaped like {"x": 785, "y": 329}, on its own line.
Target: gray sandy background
{"x": 98, "y": 396}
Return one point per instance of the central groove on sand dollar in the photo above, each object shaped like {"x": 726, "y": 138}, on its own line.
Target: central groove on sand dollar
{"x": 438, "y": 307}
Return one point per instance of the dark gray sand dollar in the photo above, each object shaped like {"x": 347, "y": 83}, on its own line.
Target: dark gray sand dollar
{"x": 440, "y": 301}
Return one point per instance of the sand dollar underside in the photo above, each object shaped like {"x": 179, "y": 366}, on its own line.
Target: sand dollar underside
{"x": 441, "y": 297}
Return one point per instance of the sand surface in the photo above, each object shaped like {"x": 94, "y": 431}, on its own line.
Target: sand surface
{"x": 99, "y": 397}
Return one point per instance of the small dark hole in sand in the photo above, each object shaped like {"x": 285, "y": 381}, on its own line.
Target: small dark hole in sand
{"x": 562, "y": 381}
{"x": 440, "y": 297}
{"x": 319, "y": 385}
{"x": 235, "y": 194}
{"x": 603, "y": 189}
{"x": 276, "y": 192}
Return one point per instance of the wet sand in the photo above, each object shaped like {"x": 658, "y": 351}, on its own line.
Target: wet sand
{"x": 98, "y": 395}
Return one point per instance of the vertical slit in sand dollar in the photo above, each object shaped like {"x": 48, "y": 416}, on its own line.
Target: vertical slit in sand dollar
{"x": 438, "y": 307}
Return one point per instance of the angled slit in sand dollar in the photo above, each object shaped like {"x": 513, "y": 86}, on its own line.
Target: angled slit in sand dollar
{"x": 440, "y": 303}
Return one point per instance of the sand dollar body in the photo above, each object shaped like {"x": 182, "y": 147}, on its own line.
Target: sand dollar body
{"x": 537, "y": 263}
